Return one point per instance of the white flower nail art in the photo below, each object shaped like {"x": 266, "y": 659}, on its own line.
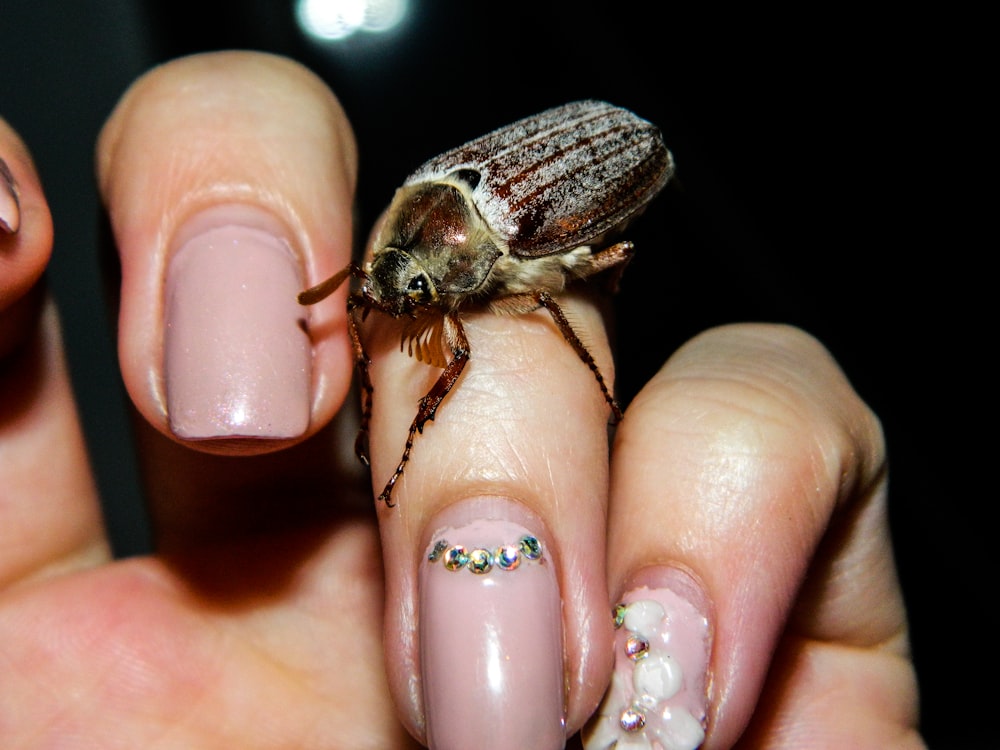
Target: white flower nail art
{"x": 651, "y": 703}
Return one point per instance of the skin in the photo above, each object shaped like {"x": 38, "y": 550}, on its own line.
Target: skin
{"x": 261, "y": 620}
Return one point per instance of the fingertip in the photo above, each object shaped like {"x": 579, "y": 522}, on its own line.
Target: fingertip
{"x": 51, "y": 518}
{"x": 10, "y": 203}
{"x": 214, "y": 82}
{"x": 520, "y": 440}
{"x": 731, "y": 464}
{"x": 25, "y": 221}
{"x": 25, "y": 239}
{"x": 228, "y": 179}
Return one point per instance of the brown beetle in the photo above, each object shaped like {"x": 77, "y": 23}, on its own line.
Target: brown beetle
{"x": 502, "y": 223}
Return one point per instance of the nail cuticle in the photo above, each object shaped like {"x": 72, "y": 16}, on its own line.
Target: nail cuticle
{"x": 195, "y": 219}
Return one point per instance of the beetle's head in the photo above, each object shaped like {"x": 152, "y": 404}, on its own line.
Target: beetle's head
{"x": 399, "y": 283}
{"x": 431, "y": 248}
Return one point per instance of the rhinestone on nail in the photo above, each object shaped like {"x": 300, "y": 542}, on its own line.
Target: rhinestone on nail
{"x": 507, "y": 556}
{"x": 531, "y": 548}
{"x": 618, "y": 613}
{"x": 632, "y": 720}
{"x": 480, "y": 561}
{"x": 636, "y": 648}
{"x": 456, "y": 558}
{"x": 439, "y": 547}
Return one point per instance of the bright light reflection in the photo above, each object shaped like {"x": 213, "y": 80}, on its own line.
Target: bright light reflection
{"x": 494, "y": 662}
{"x": 333, "y": 20}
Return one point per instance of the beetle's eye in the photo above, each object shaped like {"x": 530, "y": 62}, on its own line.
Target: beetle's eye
{"x": 419, "y": 287}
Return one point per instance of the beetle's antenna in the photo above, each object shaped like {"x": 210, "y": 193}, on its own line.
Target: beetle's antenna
{"x": 324, "y": 289}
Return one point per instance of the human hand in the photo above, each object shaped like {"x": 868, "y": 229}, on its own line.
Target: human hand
{"x": 746, "y": 485}
{"x": 256, "y": 624}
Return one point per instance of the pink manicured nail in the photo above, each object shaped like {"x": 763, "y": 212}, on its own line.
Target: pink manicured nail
{"x": 491, "y": 631}
{"x": 237, "y": 362}
{"x": 658, "y": 695}
{"x": 10, "y": 207}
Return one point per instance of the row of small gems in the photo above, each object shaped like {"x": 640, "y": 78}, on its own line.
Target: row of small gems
{"x": 481, "y": 560}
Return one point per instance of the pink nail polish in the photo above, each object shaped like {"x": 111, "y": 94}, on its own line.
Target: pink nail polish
{"x": 491, "y": 631}
{"x": 237, "y": 361}
{"x": 10, "y": 207}
{"x": 658, "y": 697}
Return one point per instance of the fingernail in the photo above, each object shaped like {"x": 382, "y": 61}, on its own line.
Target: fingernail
{"x": 491, "y": 631}
{"x": 237, "y": 360}
{"x": 658, "y": 696}
{"x": 10, "y": 206}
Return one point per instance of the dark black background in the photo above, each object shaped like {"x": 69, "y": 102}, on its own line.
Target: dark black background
{"x": 813, "y": 149}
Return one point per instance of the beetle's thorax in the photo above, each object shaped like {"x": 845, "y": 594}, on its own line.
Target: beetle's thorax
{"x": 433, "y": 249}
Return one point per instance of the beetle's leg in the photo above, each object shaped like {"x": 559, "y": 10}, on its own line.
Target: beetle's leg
{"x": 544, "y": 299}
{"x": 615, "y": 257}
{"x": 362, "y": 363}
{"x": 455, "y": 335}
{"x": 321, "y": 291}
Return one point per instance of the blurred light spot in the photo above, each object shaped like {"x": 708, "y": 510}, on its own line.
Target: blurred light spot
{"x": 333, "y": 20}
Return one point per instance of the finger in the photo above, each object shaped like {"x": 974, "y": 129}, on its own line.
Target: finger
{"x": 49, "y": 515}
{"x": 24, "y": 253}
{"x": 240, "y": 616}
{"x": 746, "y": 476}
{"x": 228, "y": 179}
{"x": 511, "y": 658}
